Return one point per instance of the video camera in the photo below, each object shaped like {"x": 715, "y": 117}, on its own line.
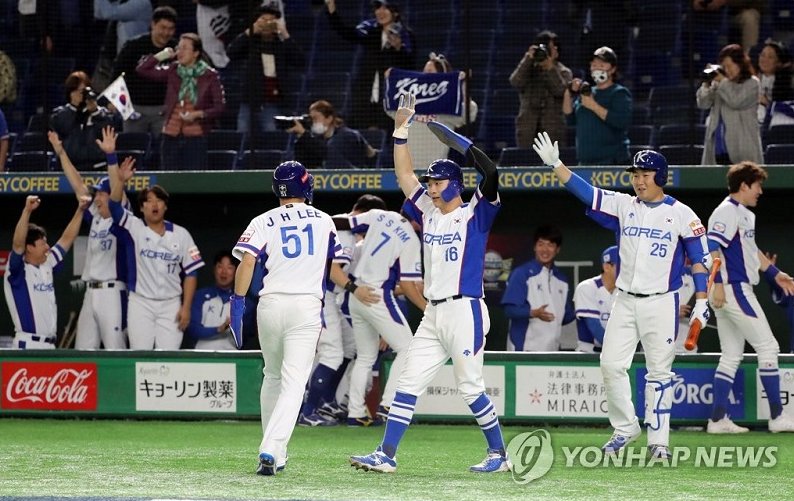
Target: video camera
{"x": 284, "y": 122}
{"x": 712, "y": 71}
{"x": 541, "y": 53}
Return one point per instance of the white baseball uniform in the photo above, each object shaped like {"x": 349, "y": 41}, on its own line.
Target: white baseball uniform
{"x": 103, "y": 316}
{"x": 389, "y": 253}
{"x": 30, "y": 295}
{"x": 155, "y": 281}
{"x": 685, "y": 294}
{"x": 592, "y": 301}
{"x": 456, "y": 319}
{"x": 653, "y": 239}
{"x": 294, "y": 242}
{"x": 732, "y": 229}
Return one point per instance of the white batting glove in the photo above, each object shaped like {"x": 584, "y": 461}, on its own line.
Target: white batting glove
{"x": 700, "y": 312}
{"x": 165, "y": 54}
{"x": 404, "y": 116}
{"x": 547, "y": 151}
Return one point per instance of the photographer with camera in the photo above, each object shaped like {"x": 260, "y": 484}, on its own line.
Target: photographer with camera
{"x": 387, "y": 43}
{"x": 601, "y": 113}
{"x": 323, "y": 140}
{"x": 541, "y": 81}
{"x": 731, "y": 92}
{"x": 79, "y": 123}
{"x": 266, "y": 67}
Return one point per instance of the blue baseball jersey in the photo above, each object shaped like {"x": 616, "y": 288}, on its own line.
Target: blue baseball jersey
{"x": 30, "y": 293}
{"x": 654, "y": 240}
{"x": 592, "y": 301}
{"x": 732, "y": 229}
{"x": 534, "y": 285}
{"x": 210, "y": 310}
{"x": 454, "y": 244}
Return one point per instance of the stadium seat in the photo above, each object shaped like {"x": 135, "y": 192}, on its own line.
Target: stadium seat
{"x": 38, "y": 123}
{"x": 375, "y": 137}
{"x": 641, "y": 134}
{"x": 262, "y": 159}
{"x": 32, "y": 141}
{"x": 225, "y": 140}
{"x": 634, "y": 148}
{"x": 518, "y": 157}
{"x": 221, "y": 159}
{"x": 681, "y": 134}
{"x": 678, "y": 96}
{"x": 779, "y": 154}
{"x": 682, "y": 154}
{"x": 31, "y": 161}
{"x": 780, "y": 134}
{"x": 138, "y": 155}
{"x": 139, "y": 141}
{"x": 269, "y": 140}
{"x": 503, "y": 102}
{"x": 567, "y": 155}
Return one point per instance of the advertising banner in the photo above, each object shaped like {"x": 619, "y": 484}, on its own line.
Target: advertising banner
{"x": 48, "y": 386}
{"x": 185, "y": 387}
{"x": 442, "y": 397}
{"x": 560, "y": 391}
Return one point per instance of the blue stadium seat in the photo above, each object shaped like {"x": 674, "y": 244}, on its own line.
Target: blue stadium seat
{"x": 641, "y": 134}
{"x": 261, "y": 159}
{"x": 30, "y": 161}
{"x": 780, "y": 134}
{"x": 682, "y": 154}
{"x": 140, "y": 141}
{"x": 679, "y": 96}
{"x": 779, "y": 154}
{"x": 140, "y": 157}
{"x": 518, "y": 157}
{"x": 269, "y": 140}
{"x": 681, "y": 134}
{"x": 221, "y": 159}
{"x": 225, "y": 140}
{"x": 33, "y": 141}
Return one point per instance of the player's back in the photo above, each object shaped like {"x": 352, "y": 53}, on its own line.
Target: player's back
{"x": 732, "y": 226}
{"x": 390, "y": 243}
{"x": 294, "y": 243}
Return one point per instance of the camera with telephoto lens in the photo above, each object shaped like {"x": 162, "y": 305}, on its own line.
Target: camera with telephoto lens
{"x": 284, "y": 122}
{"x": 584, "y": 89}
{"x": 541, "y": 53}
{"x": 712, "y": 71}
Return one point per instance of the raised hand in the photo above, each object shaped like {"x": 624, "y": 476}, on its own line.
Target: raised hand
{"x": 127, "y": 169}
{"x": 108, "y": 142}
{"x": 32, "y": 203}
{"x": 55, "y": 141}
{"x": 785, "y": 282}
{"x": 547, "y": 151}
{"x": 404, "y": 116}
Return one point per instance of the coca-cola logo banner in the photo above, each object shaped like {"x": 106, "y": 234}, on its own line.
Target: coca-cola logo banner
{"x": 48, "y": 386}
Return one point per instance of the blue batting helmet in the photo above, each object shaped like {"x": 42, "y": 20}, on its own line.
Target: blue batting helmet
{"x": 651, "y": 160}
{"x": 445, "y": 169}
{"x": 292, "y": 180}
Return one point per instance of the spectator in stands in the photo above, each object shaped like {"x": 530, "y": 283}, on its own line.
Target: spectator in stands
{"x": 387, "y": 43}
{"x": 8, "y": 79}
{"x": 541, "y": 80}
{"x": 268, "y": 65}
{"x": 80, "y": 121}
{"x": 194, "y": 99}
{"x": 131, "y": 17}
{"x": 425, "y": 146}
{"x": 147, "y": 95}
{"x": 209, "y": 318}
{"x": 775, "y": 74}
{"x": 537, "y": 297}
{"x": 330, "y": 144}
{"x": 732, "y": 133}
{"x": 601, "y": 113}
{"x": 4, "y": 135}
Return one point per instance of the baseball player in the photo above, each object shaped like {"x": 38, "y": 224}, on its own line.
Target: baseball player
{"x": 740, "y": 318}
{"x": 103, "y": 316}
{"x": 293, "y": 236}
{"x": 656, "y": 231}
{"x": 28, "y": 284}
{"x": 390, "y": 254}
{"x": 164, "y": 252}
{"x": 685, "y": 294}
{"x": 456, "y": 319}
{"x": 537, "y": 299}
{"x": 783, "y": 300}
{"x": 209, "y": 316}
{"x": 593, "y": 299}
{"x": 336, "y": 347}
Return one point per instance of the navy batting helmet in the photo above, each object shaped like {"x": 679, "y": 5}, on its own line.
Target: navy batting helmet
{"x": 446, "y": 169}
{"x": 651, "y": 160}
{"x": 292, "y": 180}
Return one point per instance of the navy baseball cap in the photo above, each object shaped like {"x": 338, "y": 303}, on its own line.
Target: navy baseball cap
{"x": 606, "y": 54}
{"x": 101, "y": 185}
{"x": 611, "y": 255}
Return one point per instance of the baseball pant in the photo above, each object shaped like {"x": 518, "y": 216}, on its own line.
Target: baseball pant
{"x": 455, "y": 329}
{"x": 152, "y": 323}
{"x": 27, "y": 341}
{"x": 103, "y": 318}
{"x": 329, "y": 348}
{"x": 370, "y": 322}
{"x": 289, "y": 328}
{"x": 653, "y": 321}
{"x": 742, "y": 319}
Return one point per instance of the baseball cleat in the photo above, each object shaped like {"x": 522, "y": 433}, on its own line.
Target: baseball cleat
{"x": 364, "y": 421}
{"x": 267, "y": 465}
{"x": 724, "y": 427}
{"x": 782, "y": 423}
{"x": 383, "y": 412}
{"x": 495, "y": 461}
{"x": 619, "y": 441}
{"x": 377, "y": 461}
{"x": 449, "y": 137}
{"x": 282, "y": 464}
{"x": 315, "y": 419}
{"x": 332, "y": 410}
{"x": 660, "y": 451}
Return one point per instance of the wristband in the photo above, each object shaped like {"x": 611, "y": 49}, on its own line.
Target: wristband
{"x": 112, "y": 158}
{"x": 399, "y": 140}
{"x": 771, "y": 272}
{"x": 701, "y": 282}
{"x": 350, "y": 287}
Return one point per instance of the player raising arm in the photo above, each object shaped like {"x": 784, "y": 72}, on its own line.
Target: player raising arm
{"x": 456, "y": 319}
{"x": 655, "y": 231}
